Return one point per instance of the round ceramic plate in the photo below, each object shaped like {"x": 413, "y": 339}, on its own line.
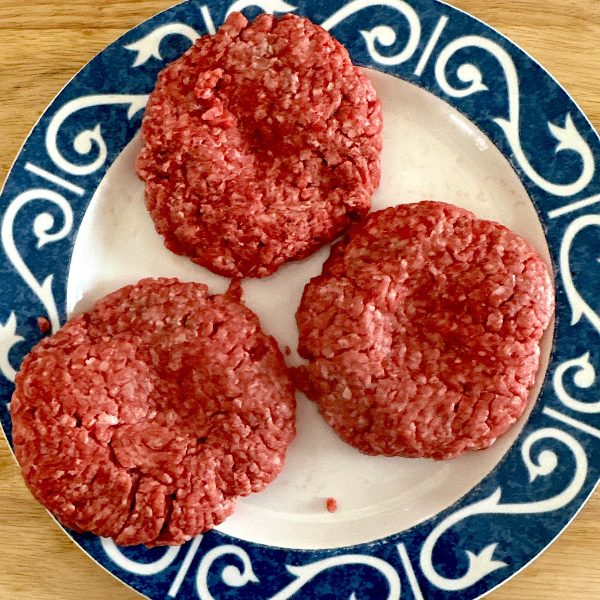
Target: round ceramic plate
{"x": 469, "y": 119}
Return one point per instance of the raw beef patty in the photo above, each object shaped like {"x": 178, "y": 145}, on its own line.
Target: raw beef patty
{"x": 422, "y": 333}
{"x": 147, "y": 417}
{"x": 261, "y": 144}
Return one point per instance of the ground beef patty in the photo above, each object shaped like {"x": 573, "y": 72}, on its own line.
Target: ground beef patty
{"x": 422, "y": 331}
{"x": 145, "y": 418}
{"x": 262, "y": 143}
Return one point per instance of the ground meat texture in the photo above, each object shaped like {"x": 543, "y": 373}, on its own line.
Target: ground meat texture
{"x": 147, "y": 417}
{"x": 422, "y": 333}
{"x": 261, "y": 144}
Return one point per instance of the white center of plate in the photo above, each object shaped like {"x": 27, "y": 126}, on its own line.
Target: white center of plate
{"x": 430, "y": 152}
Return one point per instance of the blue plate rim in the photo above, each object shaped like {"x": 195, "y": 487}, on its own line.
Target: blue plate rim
{"x": 581, "y": 366}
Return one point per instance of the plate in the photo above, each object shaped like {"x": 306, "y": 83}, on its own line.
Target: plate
{"x": 469, "y": 119}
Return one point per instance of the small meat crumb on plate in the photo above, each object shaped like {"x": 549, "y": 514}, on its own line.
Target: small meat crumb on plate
{"x": 43, "y": 324}
{"x": 331, "y": 505}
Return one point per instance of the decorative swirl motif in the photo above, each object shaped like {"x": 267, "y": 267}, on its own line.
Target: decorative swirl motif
{"x": 584, "y": 378}
{"x": 382, "y": 34}
{"x": 483, "y": 564}
{"x": 8, "y": 339}
{"x": 84, "y": 141}
{"x": 233, "y": 577}
{"x": 568, "y": 137}
{"x": 268, "y": 6}
{"x": 149, "y": 45}
{"x": 308, "y": 572}
{"x": 579, "y": 306}
{"x": 145, "y": 568}
{"x": 42, "y": 225}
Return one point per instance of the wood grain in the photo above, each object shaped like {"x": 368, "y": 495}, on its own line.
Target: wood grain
{"x": 43, "y": 43}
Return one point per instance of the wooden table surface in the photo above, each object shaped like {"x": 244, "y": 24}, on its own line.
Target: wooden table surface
{"x": 42, "y": 44}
